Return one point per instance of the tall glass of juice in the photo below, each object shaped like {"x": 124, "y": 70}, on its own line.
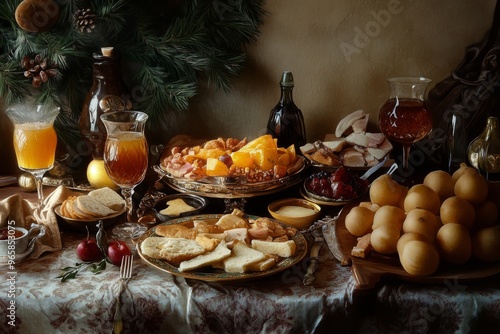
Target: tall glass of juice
{"x": 35, "y": 139}
{"x": 126, "y": 161}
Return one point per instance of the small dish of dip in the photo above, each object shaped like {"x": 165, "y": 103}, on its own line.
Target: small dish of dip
{"x": 296, "y": 212}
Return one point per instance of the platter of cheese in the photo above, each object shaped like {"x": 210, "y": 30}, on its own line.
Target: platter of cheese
{"x": 222, "y": 247}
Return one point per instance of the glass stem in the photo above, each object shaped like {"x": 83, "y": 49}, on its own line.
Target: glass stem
{"x": 406, "y": 156}
{"x": 39, "y": 189}
{"x": 127, "y": 194}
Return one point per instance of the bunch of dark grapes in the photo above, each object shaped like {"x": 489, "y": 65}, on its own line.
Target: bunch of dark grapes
{"x": 339, "y": 185}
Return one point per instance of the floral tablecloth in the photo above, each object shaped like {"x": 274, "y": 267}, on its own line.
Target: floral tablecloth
{"x": 156, "y": 302}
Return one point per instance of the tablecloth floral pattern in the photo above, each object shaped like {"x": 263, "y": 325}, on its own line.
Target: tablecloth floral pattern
{"x": 157, "y": 302}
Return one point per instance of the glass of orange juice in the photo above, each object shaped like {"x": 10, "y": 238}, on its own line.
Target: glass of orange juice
{"x": 35, "y": 139}
{"x": 126, "y": 161}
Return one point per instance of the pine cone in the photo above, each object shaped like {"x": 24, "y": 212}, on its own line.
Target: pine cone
{"x": 84, "y": 20}
{"x": 38, "y": 70}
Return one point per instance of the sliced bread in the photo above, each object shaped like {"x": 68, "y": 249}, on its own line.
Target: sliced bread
{"x": 173, "y": 250}
{"x": 90, "y": 206}
{"x": 220, "y": 253}
{"x": 108, "y": 197}
{"x": 242, "y": 258}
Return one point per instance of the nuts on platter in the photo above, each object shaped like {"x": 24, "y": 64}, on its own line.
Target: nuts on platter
{"x": 259, "y": 160}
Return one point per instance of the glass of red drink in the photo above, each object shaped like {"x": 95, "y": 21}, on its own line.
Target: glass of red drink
{"x": 126, "y": 160}
{"x": 404, "y": 117}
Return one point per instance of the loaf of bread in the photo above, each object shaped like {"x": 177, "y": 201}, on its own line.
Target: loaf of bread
{"x": 220, "y": 253}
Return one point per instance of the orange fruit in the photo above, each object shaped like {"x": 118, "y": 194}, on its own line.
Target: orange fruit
{"x": 265, "y": 141}
{"x": 215, "y": 167}
{"x": 242, "y": 160}
{"x": 265, "y": 158}
{"x": 407, "y": 237}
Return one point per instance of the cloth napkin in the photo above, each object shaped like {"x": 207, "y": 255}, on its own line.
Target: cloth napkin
{"x": 22, "y": 212}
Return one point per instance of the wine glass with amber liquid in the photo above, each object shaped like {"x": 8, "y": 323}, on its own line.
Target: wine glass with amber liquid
{"x": 126, "y": 161}
{"x": 35, "y": 140}
{"x": 404, "y": 117}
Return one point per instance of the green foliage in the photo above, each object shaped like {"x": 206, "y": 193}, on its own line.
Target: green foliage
{"x": 166, "y": 48}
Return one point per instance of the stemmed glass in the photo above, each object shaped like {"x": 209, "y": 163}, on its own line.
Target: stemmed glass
{"x": 35, "y": 140}
{"x": 404, "y": 118}
{"x": 126, "y": 161}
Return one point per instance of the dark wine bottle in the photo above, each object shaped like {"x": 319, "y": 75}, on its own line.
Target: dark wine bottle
{"x": 286, "y": 122}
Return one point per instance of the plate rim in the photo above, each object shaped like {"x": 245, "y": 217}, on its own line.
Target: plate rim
{"x": 57, "y": 211}
{"x": 164, "y": 266}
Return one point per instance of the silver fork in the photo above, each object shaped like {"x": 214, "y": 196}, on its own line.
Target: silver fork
{"x": 126, "y": 268}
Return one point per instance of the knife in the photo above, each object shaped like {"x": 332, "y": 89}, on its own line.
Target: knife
{"x": 316, "y": 231}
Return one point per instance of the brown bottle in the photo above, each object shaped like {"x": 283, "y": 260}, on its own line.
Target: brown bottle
{"x": 286, "y": 122}
{"x": 108, "y": 93}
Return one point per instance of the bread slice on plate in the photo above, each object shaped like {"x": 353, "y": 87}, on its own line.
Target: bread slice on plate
{"x": 283, "y": 249}
{"x": 220, "y": 253}
{"x": 90, "y": 206}
{"x": 108, "y": 197}
{"x": 242, "y": 258}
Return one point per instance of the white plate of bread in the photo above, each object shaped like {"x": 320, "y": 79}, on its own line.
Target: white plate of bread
{"x": 222, "y": 247}
{"x": 86, "y": 210}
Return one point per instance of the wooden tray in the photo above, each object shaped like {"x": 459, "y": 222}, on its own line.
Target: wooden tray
{"x": 369, "y": 271}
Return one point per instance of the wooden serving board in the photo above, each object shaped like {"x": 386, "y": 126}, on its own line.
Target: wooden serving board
{"x": 369, "y": 271}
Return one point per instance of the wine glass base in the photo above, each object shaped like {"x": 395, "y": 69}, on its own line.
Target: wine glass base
{"x": 127, "y": 231}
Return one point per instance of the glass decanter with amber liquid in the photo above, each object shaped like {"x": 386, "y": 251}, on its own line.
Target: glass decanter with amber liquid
{"x": 107, "y": 94}
{"x": 489, "y": 152}
{"x": 286, "y": 122}
{"x": 404, "y": 117}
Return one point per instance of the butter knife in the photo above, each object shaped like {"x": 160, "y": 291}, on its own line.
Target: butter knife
{"x": 316, "y": 231}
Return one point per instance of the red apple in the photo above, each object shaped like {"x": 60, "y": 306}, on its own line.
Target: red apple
{"x": 88, "y": 251}
{"x": 116, "y": 250}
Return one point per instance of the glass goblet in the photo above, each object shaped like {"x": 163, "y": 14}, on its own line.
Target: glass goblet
{"x": 404, "y": 117}
{"x": 35, "y": 140}
{"x": 126, "y": 161}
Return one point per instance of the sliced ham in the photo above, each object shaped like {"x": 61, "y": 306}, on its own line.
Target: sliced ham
{"x": 352, "y": 158}
{"x": 361, "y": 124}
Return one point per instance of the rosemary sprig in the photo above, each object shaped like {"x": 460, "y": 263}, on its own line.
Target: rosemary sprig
{"x": 71, "y": 272}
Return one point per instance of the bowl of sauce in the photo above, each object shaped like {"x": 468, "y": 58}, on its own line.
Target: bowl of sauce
{"x": 296, "y": 212}
{"x": 13, "y": 240}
